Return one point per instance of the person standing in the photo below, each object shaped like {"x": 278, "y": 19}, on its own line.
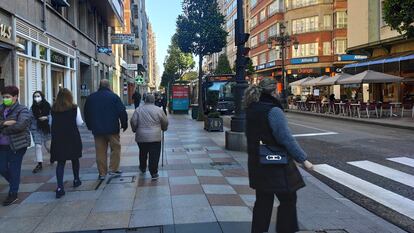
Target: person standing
{"x": 104, "y": 111}
{"x": 66, "y": 141}
{"x": 14, "y": 140}
{"x": 147, "y": 123}
{"x": 40, "y": 127}
{"x": 266, "y": 122}
{"x": 136, "y": 97}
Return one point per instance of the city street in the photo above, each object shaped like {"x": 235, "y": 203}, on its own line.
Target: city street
{"x": 204, "y": 188}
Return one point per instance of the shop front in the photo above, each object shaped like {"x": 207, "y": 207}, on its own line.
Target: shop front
{"x": 44, "y": 64}
{"x": 7, "y": 47}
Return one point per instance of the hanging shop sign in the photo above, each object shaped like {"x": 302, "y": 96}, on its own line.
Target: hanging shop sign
{"x": 304, "y": 60}
{"x": 58, "y": 58}
{"x": 347, "y": 57}
{"x": 6, "y": 30}
{"x": 106, "y": 50}
{"x": 132, "y": 66}
{"x": 128, "y": 39}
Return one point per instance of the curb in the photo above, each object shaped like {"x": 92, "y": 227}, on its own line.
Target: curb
{"x": 385, "y": 124}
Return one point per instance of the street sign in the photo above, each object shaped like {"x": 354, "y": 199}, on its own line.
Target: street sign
{"x": 105, "y": 50}
{"x": 123, "y": 39}
{"x": 132, "y": 66}
{"x": 139, "y": 80}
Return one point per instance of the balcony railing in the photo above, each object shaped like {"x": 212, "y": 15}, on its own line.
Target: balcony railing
{"x": 294, "y": 5}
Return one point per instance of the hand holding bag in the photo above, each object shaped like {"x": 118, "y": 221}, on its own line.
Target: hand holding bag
{"x": 272, "y": 155}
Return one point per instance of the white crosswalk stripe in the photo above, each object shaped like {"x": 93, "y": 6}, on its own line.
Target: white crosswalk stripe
{"x": 403, "y": 160}
{"x": 385, "y": 197}
{"x": 384, "y": 171}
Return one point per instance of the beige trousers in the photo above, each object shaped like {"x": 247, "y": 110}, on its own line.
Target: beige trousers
{"x": 101, "y": 146}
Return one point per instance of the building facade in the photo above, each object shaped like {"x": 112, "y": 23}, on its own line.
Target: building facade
{"x": 387, "y": 50}
{"x": 152, "y": 60}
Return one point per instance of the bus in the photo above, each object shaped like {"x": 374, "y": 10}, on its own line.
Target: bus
{"x": 223, "y": 86}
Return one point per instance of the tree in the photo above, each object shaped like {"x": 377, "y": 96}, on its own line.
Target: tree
{"x": 190, "y": 76}
{"x": 200, "y": 31}
{"x": 249, "y": 68}
{"x": 178, "y": 63}
{"x": 223, "y": 66}
{"x": 399, "y": 15}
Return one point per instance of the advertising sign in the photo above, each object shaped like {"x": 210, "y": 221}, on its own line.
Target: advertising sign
{"x": 132, "y": 67}
{"x": 180, "y": 98}
{"x": 105, "y": 50}
{"x": 304, "y": 60}
{"x": 123, "y": 39}
{"x": 352, "y": 57}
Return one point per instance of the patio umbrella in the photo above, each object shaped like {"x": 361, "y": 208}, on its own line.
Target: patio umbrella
{"x": 299, "y": 82}
{"x": 370, "y": 76}
{"x": 314, "y": 82}
{"x": 333, "y": 80}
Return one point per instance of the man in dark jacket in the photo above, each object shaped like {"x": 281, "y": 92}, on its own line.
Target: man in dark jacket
{"x": 104, "y": 112}
{"x": 137, "y": 98}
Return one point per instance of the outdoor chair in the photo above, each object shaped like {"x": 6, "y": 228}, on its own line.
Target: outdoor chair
{"x": 407, "y": 107}
{"x": 385, "y": 109}
{"x": 367, "y": 108}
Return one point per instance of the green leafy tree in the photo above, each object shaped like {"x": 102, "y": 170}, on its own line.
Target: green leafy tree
{"x": 249, "y": 68}
{"x": 190, "y": 76}
{"x": 399, "y": 15}
{"x": 177, "y": 62}
{"x": 223, "y": 65}
{"x": 200, "y": 31}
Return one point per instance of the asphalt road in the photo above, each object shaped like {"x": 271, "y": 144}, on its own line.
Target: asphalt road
{"x": 378, "y": 184}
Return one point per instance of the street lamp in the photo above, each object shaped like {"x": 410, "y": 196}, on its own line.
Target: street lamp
{"x": 283, "y": 40}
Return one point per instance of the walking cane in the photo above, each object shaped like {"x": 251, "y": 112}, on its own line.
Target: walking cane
{"x": 162, "y": 152}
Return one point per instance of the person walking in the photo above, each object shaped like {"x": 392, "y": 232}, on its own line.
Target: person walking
{"x": 147, "y": 123}
{"x": 14, "y": 140}
{"x": 66, "y": 141}
{"x": 40, "y": 127}
{"x": 137, "y": 98}
{"x": 104, "y": 112}
{"x": 266, "y": 122}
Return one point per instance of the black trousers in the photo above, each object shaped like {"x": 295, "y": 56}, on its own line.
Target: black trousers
{"x": 287, "y": 220}
{"x": 60, "y": 170}
{"x": 153, "y": 150}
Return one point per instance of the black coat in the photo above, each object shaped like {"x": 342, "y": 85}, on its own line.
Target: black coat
{"x": 66, "y": 141}
{"x": 104, "y": 111}
{"x": 271, "y": 178}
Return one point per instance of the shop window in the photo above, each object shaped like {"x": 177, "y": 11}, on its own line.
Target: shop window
{"x": 43, "y": 52}
{"x": 24, "y": 43}
{"x": 34, "y": 49}
{"x": 22, "y": 81}
{"x": 58, "y": 58}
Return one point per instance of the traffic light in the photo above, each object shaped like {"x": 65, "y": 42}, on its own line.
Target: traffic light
{"x": 245, "y": 59}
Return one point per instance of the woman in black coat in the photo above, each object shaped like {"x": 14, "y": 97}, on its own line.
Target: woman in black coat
{"x": 266, "y": 123}
{"x": 66, "y": 141}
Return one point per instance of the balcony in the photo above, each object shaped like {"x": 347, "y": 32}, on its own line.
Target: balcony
{"x": 111, "y": 10}
{"x": 308, "y": 3}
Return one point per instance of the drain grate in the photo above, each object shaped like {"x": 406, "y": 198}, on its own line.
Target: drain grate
{"x": 194, "y": 149}
{"x": 121, "y": 180}
{"x": 224, "y": 165}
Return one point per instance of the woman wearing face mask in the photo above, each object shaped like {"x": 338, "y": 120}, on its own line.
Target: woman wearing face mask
{"x": 14, "y": 139}
{"x": 40, "y": 128}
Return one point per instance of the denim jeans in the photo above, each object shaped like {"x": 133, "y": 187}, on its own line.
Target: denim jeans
{"x": 10, "y": 166}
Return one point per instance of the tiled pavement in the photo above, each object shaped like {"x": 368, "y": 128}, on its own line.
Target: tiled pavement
{"x": 202, "y": 188}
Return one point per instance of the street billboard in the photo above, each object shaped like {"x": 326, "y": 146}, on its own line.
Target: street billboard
{"x": 123, "y": 39}
{"x": 180, "y": 98}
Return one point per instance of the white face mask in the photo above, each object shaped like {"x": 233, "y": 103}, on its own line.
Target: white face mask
{"x": 38, "y": 99}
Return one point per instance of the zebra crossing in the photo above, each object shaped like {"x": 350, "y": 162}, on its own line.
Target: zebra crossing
{"x": 394, "y": 201}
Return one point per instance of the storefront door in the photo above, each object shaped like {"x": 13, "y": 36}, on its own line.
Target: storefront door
{"x": 58, "y": 81}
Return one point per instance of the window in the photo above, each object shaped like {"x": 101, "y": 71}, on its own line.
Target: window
{"x": 253, "y": 3}
{"x": 273, "y": 30}
{"x": 43, "y": 78}
{"x": 303, "y": 3}
{"x": 327, "y": 22}
{"x": 262, "y": 38}
{"x": 275, "y": 54}
{"x": 23, "y": 42}
{"x": 262, "y": 16}
{"x": 253, "y": 41}
{"x": 340, "y": 46}
{"x": 262, "y": 58}
{"x": 304, "y": 25}
{"x": 326, "y": 48}
{"x": 254, "y": 60}
{"x": 22, "y": 81}
{"x": 305, "y": 50}
{"x": 253, "y": 21}
{"x": 382, "y": 21}
{"x": 274, "y": 7}
{"x": 34, "y": 50}
{"x": 43, "y": 53}
{"x": 341, "y": 19}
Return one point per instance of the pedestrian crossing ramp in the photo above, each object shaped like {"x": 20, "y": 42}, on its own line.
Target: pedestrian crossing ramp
{"x": 394, "y": 201}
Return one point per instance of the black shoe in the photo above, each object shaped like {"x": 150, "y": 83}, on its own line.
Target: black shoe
{"x": 77, "y": 183}
{"x": 60, "y": 193}
{"x": 155, "y": 176}
{"x": 38, "y": 168}
{"x": 101, "y": 177}
{"x": 115, "y": 173}
{"x": 11, "y": 198}
{"x": 142, "y": 170}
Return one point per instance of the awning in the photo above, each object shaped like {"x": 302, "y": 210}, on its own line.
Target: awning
{"x": 333, "y": 80}
{"x": 381, "y": 61}
{"x": 314, "y": 82}
{"x": 141, "y": 68}
{"x": 370, "y": 76}
{"x": 299, "y": 82}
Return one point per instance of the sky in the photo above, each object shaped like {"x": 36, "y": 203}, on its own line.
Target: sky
{"x": 162, "y": 15}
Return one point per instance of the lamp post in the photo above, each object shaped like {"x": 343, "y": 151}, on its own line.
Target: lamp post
{"x": 283, "y": 40}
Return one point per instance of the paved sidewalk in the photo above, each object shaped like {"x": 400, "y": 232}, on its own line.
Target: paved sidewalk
{"x": 202, "y": 188}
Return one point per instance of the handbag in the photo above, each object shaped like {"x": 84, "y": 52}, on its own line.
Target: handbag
{"x": 272, "y": 155}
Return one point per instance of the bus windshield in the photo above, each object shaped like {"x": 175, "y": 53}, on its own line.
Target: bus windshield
{"x": 224, "y": 89}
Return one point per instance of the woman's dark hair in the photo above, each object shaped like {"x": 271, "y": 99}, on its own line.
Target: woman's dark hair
{"x": 40, "y": 93}
{"x": 64, "y": 101}
{"x": 11, "y": 90}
